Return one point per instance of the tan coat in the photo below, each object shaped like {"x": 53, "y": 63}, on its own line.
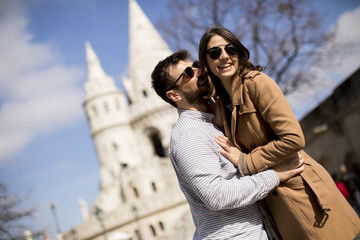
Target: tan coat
{"x": 308, "y": 206}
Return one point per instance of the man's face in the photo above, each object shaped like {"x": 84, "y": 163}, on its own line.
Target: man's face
{"x": 186, "y": 85}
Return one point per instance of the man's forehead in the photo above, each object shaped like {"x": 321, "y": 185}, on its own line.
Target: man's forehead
{"x": 179, "y": 67}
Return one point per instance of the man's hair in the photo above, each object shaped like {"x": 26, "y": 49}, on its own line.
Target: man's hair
{"x": 160, "y": 78}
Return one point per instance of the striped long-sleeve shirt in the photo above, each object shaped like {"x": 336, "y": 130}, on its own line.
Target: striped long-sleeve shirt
{"x": 222, "y": 203}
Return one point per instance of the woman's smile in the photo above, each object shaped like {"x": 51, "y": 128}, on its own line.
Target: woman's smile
{"x": 225, "y": 66}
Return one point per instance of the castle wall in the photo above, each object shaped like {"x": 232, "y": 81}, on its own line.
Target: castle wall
{"x": 139, "y": 195}
{"x": 332, "y": 129}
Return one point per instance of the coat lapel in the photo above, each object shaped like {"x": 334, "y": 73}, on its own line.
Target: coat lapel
{"x": 233, "y": 124}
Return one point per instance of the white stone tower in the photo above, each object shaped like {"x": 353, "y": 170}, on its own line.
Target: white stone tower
{"x": 139, "y": 194}
{"x": 108, "y": 115}
{"x": 150, "y": 114}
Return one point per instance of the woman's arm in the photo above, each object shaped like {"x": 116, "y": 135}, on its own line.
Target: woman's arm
{"x": 284, "y": 170}
{"x": 276, "y": 111}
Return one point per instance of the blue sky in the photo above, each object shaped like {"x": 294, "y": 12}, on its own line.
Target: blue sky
{"x": 46, "y": 151}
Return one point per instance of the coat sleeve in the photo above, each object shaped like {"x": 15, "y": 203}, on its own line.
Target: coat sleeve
{"x": 276, "y": 111}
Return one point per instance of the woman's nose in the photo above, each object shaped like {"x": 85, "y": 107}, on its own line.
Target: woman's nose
{"x": 223, "y": 54}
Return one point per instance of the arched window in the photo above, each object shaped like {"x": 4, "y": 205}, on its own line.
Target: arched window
{"x": 117, "y": 104}
{"x": 153, "y": 186}
{"x": 161, "y": 225}
{"x": 115, "y": 146}
{"x": 138, "y": 235}
{"x": 136, "y": 192}
{"x": 106, "y": 107}
{"x": 155, "y": 139}
{"x": 122, "y": 193}
{"x": 153, "y": 231}
{"x": 94, "y": 110}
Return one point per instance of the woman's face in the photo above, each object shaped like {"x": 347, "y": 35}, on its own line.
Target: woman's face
{"x": 226, "y": 65}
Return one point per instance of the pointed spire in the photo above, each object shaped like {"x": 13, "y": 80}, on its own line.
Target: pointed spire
{"x": 146, "y": 49}
{"x": 83, "y": 208}
{"x": 94, "y": 66}
{"x": 98, "y": 81}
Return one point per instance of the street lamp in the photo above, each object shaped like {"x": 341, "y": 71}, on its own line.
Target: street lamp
{"x": 53, "y": 211}
{"x": 100, "y": 217}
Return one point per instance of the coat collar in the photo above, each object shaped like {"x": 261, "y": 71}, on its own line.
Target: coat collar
{"x": 237, "y": 87}
{"x": 238, "y": 90}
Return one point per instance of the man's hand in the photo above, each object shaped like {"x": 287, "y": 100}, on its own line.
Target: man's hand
{"x": 290, "y": 167}
{"x": 229, "y": 150}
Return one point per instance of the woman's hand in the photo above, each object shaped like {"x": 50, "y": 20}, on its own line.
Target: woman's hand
{"x": 229, "y": 150}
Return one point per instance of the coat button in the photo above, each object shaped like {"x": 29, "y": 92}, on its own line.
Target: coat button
{"x": 253, "y": 145}
{"x": 274, "y": 193}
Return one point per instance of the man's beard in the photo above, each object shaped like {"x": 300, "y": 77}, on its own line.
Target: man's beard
{"x": 195, "y": 97}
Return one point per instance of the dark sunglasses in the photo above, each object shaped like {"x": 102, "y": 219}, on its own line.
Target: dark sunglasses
{"x": 188, "y": 72}
{"x": 215, "y": 52}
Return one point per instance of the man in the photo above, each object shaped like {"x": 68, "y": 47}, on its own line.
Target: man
{"x": 222, "y": 203}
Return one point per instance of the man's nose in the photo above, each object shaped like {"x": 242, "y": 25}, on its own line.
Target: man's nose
{"x": 198, "y": 71}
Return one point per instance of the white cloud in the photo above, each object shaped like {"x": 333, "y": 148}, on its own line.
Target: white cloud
{"x": 349, "y": 30}
{"x": 327, "y": 77}
{"x": 348, "y": 33}
{"x": 38, "y": 93}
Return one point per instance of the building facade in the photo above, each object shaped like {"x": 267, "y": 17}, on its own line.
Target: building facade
{"x": 139, "y": 194}
{"x": 332, "y": 129}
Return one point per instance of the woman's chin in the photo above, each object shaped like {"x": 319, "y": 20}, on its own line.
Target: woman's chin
{"x": 225, "y": 75}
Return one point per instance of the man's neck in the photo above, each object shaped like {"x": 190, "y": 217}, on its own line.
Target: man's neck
{"x": 195, "y": 107}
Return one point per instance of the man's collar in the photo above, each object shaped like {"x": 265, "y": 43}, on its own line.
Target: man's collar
{"x": 196, "y": 115}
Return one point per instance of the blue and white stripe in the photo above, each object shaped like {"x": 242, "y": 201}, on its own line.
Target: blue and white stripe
{"x": 223, "y": 204}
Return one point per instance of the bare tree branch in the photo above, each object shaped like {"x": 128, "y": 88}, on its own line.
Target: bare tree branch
{"x": 12, "y": 215}
{"x": 284, "y": 35}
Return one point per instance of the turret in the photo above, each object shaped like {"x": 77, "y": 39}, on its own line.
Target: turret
{"x": 151, "y": 117}
{"x": 108, "y": 115}
{"x": 104, "y": 104}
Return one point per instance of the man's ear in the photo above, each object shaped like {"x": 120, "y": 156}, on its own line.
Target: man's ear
{"x": 173, "y": 95}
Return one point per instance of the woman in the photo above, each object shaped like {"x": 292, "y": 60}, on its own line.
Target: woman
{"x": 263, "y": 126}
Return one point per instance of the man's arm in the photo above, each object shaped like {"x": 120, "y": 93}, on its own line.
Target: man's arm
{"x": 198, "y": 160}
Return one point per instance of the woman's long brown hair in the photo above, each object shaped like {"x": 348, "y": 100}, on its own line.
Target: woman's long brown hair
{"x": 211, "y": 85}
